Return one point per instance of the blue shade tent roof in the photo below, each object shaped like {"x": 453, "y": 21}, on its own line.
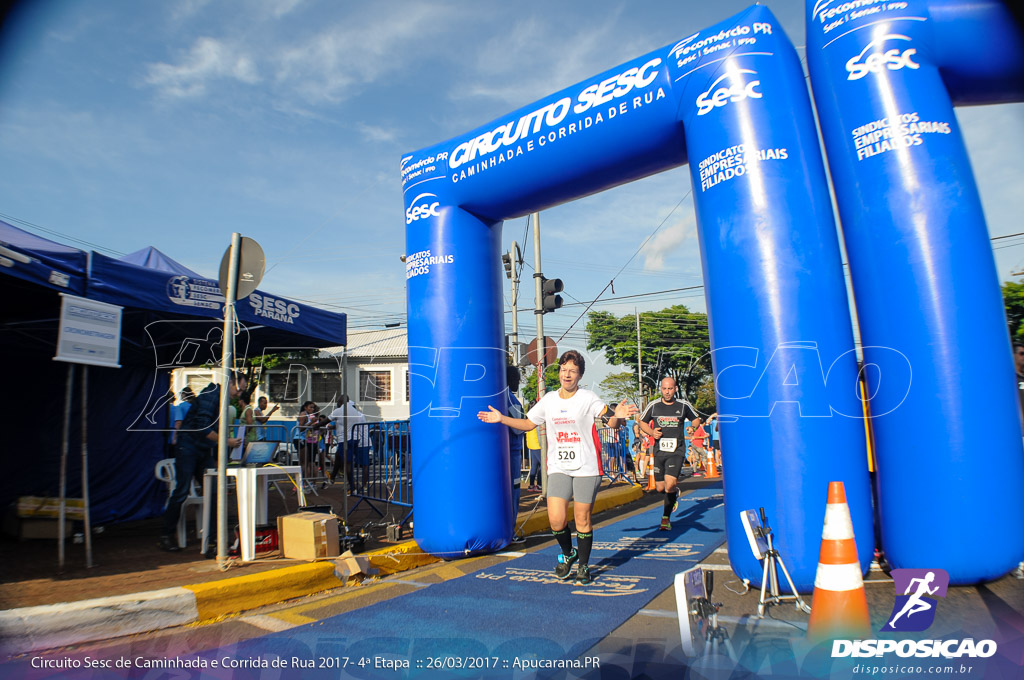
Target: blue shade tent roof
{"x": 150, "y": 282}
{"x": 38, "y": 260}
{"x": 151, "y": 258}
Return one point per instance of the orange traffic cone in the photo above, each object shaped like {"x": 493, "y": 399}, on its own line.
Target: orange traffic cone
{"x": 650, "y": 473}
{"x": 712, "y": 470}
{"x": 840, "y": 607}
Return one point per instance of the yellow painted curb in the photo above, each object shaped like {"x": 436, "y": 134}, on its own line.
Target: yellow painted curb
{"x": 400, "y": 557}
{"x": 233, "y": 595}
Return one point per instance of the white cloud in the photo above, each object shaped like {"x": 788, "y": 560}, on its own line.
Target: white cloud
{"x": 208, "y": 60}
{"x": 535, "y": 58}
{"x": 332, "y": 64}
{"x": 374, "y": 133}
{"x": 667, "y": 242}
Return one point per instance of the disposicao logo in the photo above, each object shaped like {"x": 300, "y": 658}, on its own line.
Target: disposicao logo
{"x": 914, "y": 610}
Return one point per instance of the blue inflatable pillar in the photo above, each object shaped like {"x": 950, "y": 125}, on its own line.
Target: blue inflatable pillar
{"x": 456, "y": 367}
{"x": 950, "y": 482}
{"x": 785, "y": 368}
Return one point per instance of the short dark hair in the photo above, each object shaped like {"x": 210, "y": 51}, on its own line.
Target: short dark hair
{"x": 575, "y": 357}
{"x": 512, "y": 377}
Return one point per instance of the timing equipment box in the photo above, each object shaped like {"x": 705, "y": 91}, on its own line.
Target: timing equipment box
{"x": 308, "y": 535}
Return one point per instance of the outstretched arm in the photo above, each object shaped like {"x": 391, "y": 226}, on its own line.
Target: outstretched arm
{"x": 622, "y": 413}
{"x": 495, "y": 416}
{"x": 264, "y": 419}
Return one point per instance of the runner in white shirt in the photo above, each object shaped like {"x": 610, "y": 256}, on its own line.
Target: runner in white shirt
{"x": 574, "y": 462}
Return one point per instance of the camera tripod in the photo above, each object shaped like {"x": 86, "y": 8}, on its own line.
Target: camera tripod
{"x": 772, "y": 561}
{"x": 716, "y": 638}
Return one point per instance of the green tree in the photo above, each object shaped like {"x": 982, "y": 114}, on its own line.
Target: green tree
{"x": 674, "y": 342}
{"x": 550, "y": 383}
{"x": 256, "y": 367}
{"x": 1013, "y": 300}
{"x": 617, "y": 386}
{"x": 704, "y": 400}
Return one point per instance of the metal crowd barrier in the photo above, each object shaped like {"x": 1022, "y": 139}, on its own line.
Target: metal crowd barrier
{"x": 388, "y": 478}
{"x": 616, "y": 458}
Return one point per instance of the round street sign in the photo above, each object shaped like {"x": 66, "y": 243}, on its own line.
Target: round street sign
{"x": 550, "y": 351}
{"x": 251, "y": 264}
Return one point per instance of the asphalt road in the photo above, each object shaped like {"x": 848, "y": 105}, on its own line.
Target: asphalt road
{"x": 648, "y": 644}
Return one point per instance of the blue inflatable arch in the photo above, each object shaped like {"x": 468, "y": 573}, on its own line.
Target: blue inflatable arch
{"x": 732, "y": 102}
{"x": 886, "y": 76}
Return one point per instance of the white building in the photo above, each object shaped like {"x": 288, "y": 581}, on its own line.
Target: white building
{"x": 377, "y": 377}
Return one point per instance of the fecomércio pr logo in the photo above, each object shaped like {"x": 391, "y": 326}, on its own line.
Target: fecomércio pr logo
{"x": 914, "y": 610}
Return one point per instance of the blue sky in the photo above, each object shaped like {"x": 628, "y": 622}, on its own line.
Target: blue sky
{"x": 125, "y": 124}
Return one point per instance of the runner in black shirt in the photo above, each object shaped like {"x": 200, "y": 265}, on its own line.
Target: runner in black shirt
{"x": 664, "y": 420}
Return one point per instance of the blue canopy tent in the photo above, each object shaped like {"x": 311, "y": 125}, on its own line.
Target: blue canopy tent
{"x": 38, "y": 261}
{"x": 171, "y": 318}
{"x": 33, "y": 273}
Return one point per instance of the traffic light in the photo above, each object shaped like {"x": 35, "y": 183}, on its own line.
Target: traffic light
{"x": 549, "y": 288}
{"x": 506, "y": 260}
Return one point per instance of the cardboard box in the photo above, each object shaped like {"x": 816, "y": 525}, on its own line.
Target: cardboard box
{"x": 308, "y": 535}
{"x": 349, "y": 566}
{"x": 26, "y": 528}
{"x": 40, "y": 507}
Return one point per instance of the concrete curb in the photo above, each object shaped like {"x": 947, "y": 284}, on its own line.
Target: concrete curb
{"x": 30, "y": 629}
{"x": 56, "y": 625}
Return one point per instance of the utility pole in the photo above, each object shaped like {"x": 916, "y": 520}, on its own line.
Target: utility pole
{"x": 639, "y": 360}
{"x": 514, "y": 257}
{"x": 538, "y": 312}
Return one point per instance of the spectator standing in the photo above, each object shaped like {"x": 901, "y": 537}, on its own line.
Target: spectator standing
{"x": 515, "y": 438}
{"x": 246, "y": 418}
{"x": 699, "y": 440}
{"x": 358, "y": 442}
{"x": 262, "y": 416}
{"x": 178, "y": 412}
{"x": 197, "y": 446}
{"x": 533, "y": 445}
{"x": 308, "y": 420}
{"x": 715, "y": 438}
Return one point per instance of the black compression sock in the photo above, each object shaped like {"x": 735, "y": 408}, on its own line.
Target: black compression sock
{"x": 564, "y": 539}
{"x": 585, "y": 541}
{"x": 670, "y": 501}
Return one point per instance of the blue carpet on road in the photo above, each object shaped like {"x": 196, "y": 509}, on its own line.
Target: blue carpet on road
{"x": 517, "y": 609}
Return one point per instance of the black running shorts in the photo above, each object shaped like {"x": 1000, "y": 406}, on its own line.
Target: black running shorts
{"x": 668, "y": 465}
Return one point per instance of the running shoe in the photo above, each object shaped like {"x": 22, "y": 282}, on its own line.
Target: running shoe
{"x": 565, "y": 563}
{"x": 583, "y": 575}
{"x": 665, "y": 524}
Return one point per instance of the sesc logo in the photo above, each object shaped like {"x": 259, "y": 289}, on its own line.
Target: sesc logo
{"x": 893, "y": 59}
{"x": 914, "y": 612}
{"x": 737, "y": 91}
{"x": 419, "y": 210}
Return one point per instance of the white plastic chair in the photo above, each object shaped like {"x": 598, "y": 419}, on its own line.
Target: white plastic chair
{"x": 165, "y": 472}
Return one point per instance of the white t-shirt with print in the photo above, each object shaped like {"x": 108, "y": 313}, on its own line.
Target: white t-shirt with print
{"x": 570, "y": 432}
